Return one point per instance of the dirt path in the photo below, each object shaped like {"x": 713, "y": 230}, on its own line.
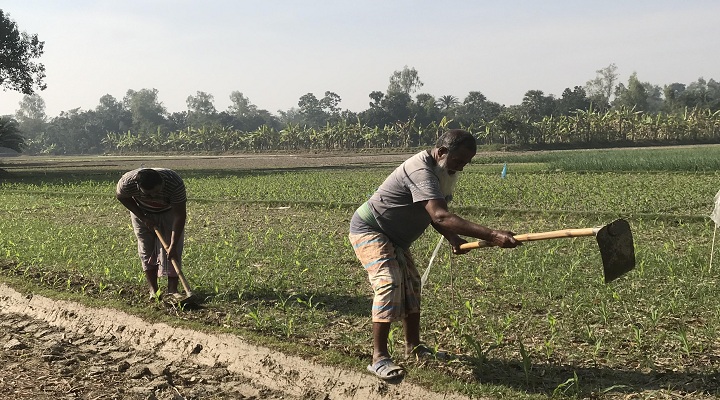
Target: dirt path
{"x": 40, "y": 361}
{"x": 52, "y": 349}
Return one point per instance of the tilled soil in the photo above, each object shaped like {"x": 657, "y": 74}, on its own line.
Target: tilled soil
{"x": 57, "y": 349}
{"x": 40, "y": 361}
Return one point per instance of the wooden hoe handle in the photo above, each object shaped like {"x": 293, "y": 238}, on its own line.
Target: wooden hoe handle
{"x": 184, "y": 282}
{"x": 527, "y": 237}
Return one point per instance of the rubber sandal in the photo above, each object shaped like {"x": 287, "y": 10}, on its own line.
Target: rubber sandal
{"x": 386, "y": 369}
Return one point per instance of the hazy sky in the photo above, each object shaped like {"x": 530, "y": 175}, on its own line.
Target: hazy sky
{"x": 275, "y": 51}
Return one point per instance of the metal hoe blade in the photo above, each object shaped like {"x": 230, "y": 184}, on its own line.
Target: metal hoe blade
{"x": 616, "y": 249}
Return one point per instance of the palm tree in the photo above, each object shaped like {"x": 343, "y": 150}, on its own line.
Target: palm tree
{"x": 448, "y": 101}
{"x": 10, "y": 134}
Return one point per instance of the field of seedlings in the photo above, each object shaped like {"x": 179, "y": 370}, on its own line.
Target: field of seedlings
{"x": 267, "y": 252}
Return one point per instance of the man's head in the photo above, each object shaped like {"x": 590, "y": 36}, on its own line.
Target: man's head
{"x": 454, "y": 149}
{"x": 149, "y": 181}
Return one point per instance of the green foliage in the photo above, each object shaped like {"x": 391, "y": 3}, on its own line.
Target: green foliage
{"x": 146, "y": 110}
{"x": 140, "y": 124}
{"x": 674, "y": 159}
{"x": 18, "y": 71}
{"x": 581, "y": 128}
{"x": 201, "y": 111}
{"x": 10, "y": 136}
{"x": 406, "y": 81}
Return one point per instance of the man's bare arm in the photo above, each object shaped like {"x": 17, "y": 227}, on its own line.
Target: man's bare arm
{"x": 448, "y": 223}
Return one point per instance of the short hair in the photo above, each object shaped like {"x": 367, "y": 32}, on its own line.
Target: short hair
{"x": 148, "y": 178}
{"x": 455, "y": 139}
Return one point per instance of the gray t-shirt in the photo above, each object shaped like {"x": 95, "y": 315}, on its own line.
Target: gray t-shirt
{"x": 396, "y": 204}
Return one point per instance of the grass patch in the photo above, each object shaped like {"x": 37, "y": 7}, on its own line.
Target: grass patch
{"x": 705, "y": 158}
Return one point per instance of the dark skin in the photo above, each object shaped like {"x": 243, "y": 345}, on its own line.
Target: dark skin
{"x": 179, "y": 212}
{"x": 450, "y": 226}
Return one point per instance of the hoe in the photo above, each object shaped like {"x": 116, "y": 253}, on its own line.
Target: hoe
{"x": 615, "y": 241}
{"x": 189, "y": 297}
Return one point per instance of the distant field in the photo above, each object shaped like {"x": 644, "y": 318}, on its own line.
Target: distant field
{"x": 267, "y": 250}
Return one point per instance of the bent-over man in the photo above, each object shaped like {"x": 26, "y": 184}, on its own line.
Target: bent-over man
{"x": 156, "y": 198}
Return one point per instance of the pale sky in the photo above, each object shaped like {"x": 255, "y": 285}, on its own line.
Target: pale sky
{"x": 275, "y": 51}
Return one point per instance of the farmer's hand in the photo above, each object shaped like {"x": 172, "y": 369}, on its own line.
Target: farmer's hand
{"x": 455, "y": 243}
{"x": 504, "y": 239}
{"x": 172, "y": 252}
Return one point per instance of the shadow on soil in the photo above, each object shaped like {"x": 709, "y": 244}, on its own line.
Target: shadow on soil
{"x": 584, "y": 382}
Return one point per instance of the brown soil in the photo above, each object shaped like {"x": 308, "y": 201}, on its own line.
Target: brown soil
{"x": 54, "y": 349}
{"x": 40, "y": 361}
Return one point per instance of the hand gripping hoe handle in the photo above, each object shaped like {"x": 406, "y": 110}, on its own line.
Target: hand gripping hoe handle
{"x": 186, "y": 286}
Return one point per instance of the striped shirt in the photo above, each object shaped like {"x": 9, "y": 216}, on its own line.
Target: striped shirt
{"x": 173, "y": 191}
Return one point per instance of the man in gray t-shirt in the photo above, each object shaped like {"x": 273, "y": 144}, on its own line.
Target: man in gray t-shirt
{"x": 414, "y": 196}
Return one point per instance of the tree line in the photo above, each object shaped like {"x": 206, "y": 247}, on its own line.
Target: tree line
{"x": 602, "y": 111}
